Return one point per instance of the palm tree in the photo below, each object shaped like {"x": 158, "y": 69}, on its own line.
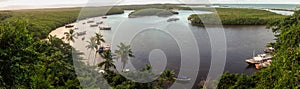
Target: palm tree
{"x": 99, "y": 38}
{"x": 92, "y": 45}
{"x": 108, "y": 63}
{"x": 167, "y": 77}
{"x": 70, "y": 35}
{"x": 124, "y": 53}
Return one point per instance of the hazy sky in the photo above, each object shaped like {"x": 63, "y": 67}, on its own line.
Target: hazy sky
{"x": 7, "y": 3}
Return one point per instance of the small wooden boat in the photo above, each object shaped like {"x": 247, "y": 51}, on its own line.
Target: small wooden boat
{"x": 93, "y": 25}
{"x": 104, "y": 17}
{"x": 172, "y": 19}
{"x": 99, "y": 22}
{"x": 182, "y": 78}
{"x": 81, "y": 33}
{"x": 104, "y": 28}
{"x": 90, "y": 21}
{"x": 69, "y": 26}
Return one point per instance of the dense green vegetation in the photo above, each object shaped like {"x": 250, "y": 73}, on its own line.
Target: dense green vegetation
{"x": 43, "y": 21}
{"x": 235, "y": 16}
{"x": 29, "y": 63}
{"x": 151, "y": 12}
{"x": 284, "y": 73}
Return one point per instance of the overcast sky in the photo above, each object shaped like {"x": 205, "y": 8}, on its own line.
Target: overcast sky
{"x": 11, "y": 3}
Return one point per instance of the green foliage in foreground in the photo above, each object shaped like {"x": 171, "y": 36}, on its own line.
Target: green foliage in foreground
{"x": 41, "y": 64}
{"x": 43, "y": 21}
{"x": 29, "y": 63}
{"x": 284, "y": 73}
{"x": 235, "y": 16}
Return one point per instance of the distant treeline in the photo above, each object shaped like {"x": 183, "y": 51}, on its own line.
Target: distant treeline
{"x": 43, "y": 21}
{"x": 4, "y": 15}
{"x": 235, "y": 16}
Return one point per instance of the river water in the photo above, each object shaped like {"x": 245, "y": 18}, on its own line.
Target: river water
{"x": 155, "y": 41}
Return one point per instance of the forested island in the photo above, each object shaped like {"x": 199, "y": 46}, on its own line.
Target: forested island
{"x": 152, "y": 12}
{"x": 29, "y": 62}
{"x": 235, "y": 16}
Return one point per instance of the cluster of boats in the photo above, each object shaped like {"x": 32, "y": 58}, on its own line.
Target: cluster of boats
{"x": 99, "y": 24}
{"x": 261, "y": 60}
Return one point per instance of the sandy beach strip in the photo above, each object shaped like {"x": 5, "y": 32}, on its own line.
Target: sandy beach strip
{"x": 80, "y": 43}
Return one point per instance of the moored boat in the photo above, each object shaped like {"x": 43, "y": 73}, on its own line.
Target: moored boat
{"x": 263, "y": 64}
{"x": 104, "y": 27}
{"x": 269, "y": 50}
{"x": 104, "y": 17}
{"x": 99, "y": 22}
{"x": 182, "y": 78}
{"x": 90, "y": 21}
{"x": 81, "y": 33}
{"x": 69, "y": 26}
{"x": 93, "y": 25}
{"x": 259, "y": 59}
{"x": 172, "y": 19}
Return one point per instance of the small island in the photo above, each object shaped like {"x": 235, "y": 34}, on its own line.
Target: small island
{"x": 235, "y": 16}
{"x": 152, "y": 12}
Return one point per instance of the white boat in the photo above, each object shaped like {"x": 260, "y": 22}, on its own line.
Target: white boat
{"x": 269, "y": 49}
{"x": 182, "y": 78}
{"x": 260, "y": 58}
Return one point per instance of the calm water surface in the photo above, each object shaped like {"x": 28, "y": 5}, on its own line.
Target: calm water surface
{"x": 241, "y": 41}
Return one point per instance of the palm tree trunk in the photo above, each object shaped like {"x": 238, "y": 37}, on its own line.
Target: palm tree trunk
{"x": 95, "y": 58}
{"x": 123, "y": 66}
{"x": 89, "y": 57}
